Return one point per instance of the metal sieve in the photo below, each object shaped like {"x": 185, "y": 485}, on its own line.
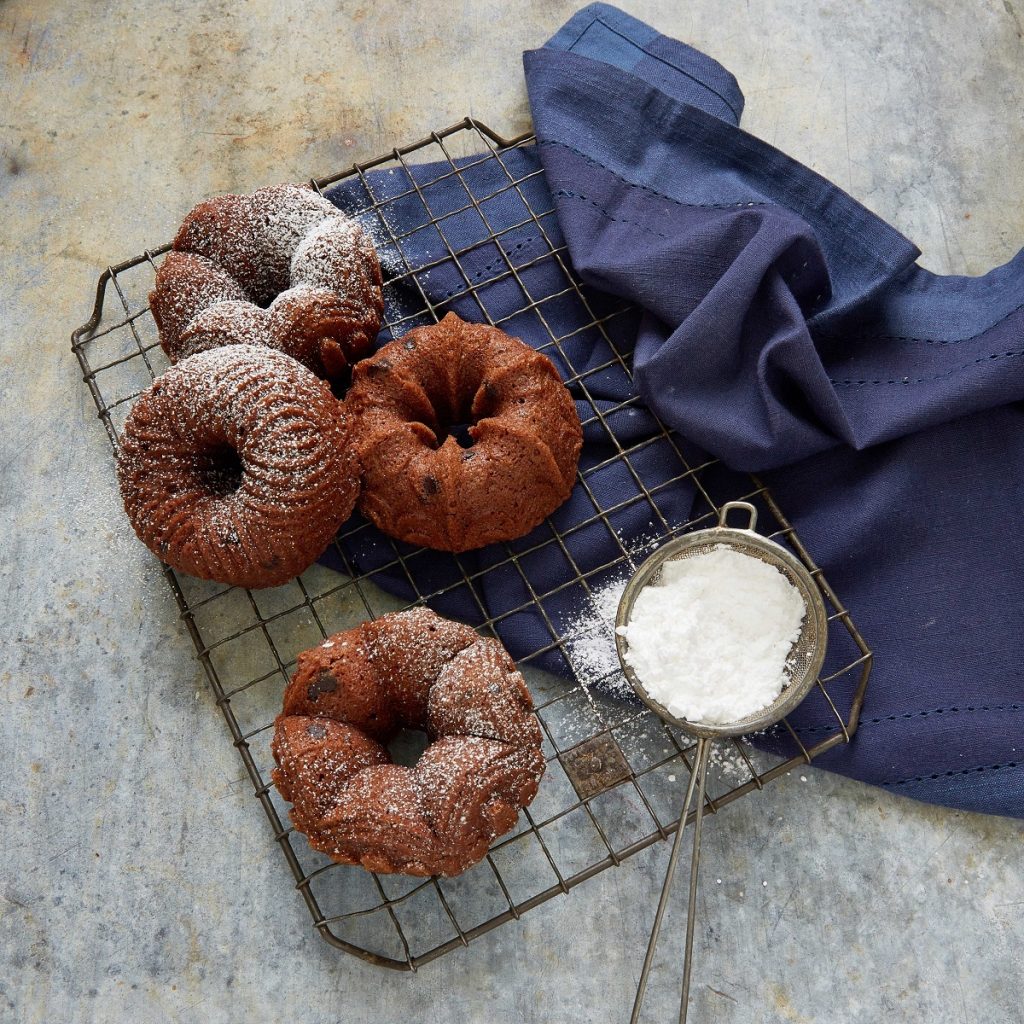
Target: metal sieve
{"x": 803, "y": 665}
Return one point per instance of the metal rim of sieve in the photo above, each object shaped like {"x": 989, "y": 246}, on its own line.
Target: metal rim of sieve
{"x": 808, "y": 650}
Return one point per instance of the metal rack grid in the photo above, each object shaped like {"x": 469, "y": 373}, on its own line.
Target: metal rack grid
{"x": 610, "y": 789}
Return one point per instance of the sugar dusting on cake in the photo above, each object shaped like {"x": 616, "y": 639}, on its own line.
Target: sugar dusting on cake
{"x": 246, "y": 411}
{"x": 440, "y": 815}
{"x": 265, "y": 269}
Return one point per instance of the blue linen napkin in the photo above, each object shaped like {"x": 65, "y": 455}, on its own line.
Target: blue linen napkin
{"x": 789, "y": 329}
{"x": 783, "y": 328}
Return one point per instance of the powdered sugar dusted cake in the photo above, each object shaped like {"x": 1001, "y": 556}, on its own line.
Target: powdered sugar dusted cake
{"x": 235, "y": 465}
{"x": 352, "y": 694}
{"x": 282, "y": 267}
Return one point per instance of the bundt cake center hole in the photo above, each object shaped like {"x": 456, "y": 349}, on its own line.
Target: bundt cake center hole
{"x": 458, "y": 431}
{"x": 407, "y": 747}
{"x": 222, "y": 473}
{"x": 455, "y": 419}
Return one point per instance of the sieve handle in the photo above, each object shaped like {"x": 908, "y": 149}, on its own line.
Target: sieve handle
{"x": 746, "y": 506}
{"x": 698, "y": 779}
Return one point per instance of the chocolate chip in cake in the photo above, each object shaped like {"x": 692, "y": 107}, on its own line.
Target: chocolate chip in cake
{"x": 324, "y": 683}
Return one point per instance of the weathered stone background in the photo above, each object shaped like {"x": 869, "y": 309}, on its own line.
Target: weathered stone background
{"x": 136, "y": 878}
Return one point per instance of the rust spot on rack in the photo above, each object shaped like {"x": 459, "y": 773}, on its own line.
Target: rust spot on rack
{"x": 595, "y": 766}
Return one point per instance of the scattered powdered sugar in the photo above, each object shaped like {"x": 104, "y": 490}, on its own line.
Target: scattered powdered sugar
{"x": 711, "y": 639}
{"x": 98, "y": 512}
{"x": 639, "y": 546}
{"x": 590, "y": 641}
{"x": 589, "y": 634}
{"x": 380, "y": 236}
{"x": 728, "y": 763}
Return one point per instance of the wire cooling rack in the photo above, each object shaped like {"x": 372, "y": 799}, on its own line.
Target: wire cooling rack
{"x": 614, "y": 770}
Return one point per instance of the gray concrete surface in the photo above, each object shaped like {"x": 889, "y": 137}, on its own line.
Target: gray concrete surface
{"x": 135, "y": 878}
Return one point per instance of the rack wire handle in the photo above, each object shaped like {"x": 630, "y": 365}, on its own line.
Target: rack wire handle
{"x": 698, "y": 779}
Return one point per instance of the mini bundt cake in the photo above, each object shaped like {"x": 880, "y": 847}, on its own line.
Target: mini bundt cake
{"x": 352, "y": 694}
{"x": 283, "y": 267}
{"x": 236, "y": 465}
{"x": 425, "y": 485}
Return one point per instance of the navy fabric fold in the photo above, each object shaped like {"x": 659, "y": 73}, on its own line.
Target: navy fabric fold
{"x": 800, "y": 319}
{"x": 772, "y": 321}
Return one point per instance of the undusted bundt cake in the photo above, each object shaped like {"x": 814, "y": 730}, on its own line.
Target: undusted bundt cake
{"x": 236, "y": 466}
{"x": 282, "y": 267}
{"x": 353, "y": 693}
{"x": 425, "y": 484}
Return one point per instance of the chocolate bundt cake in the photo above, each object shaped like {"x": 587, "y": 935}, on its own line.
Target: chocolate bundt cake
{"x": 282, "y": 267}
{"x": 422, "y": 482}
{"x": 353, "y": 693}
{"x": 236, "y": 466}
